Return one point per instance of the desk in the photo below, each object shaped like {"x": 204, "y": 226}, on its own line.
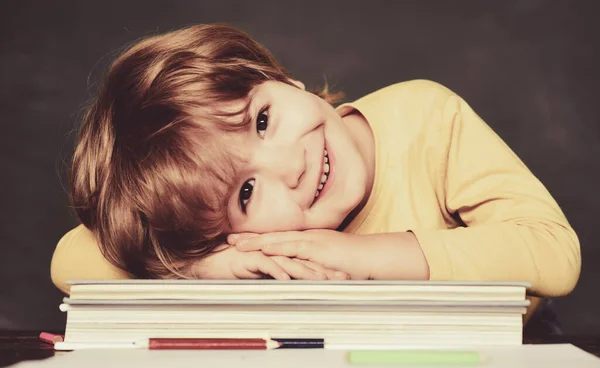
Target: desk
{"x": 16, "y": 346}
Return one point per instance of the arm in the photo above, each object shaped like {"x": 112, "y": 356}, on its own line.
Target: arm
{"x": 78, "y": 257}
{"x": 515, "y": 229}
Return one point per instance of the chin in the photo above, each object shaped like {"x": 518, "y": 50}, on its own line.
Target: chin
{"x": 329, "y": 223}
{"x": 333, "y": 225}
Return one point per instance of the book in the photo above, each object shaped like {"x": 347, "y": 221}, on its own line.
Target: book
{"x": 295, "y": 290}
{"x": 365, "y": 314}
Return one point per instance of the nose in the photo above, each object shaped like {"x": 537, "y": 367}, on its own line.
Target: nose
{"x": 287, "y": 163}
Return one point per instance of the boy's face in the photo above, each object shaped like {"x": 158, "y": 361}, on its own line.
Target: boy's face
{"x": 292, "y": 131}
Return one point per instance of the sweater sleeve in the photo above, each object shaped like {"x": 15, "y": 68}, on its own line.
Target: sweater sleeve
{"x": 78, "y": 257}
{"x": 515, "y": 230}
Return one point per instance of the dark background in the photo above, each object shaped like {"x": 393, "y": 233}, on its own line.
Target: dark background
{"x": 528, "y": 67}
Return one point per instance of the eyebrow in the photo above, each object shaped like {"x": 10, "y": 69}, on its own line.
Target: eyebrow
{"x": 236, "y": 160}
{"x": 233, "y": 125}
{"x": 242, "y": 127}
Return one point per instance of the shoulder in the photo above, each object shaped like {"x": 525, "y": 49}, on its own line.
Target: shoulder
{"x": 420, "y": 91}
{"x": 416, "y": 98}
{"x": 418, "y": 86}
{"x": 78, "y": 256}
{"x": 60, "y": 259}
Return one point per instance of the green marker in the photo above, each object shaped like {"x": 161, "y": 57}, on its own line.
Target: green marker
{"x": 415, "y": 357}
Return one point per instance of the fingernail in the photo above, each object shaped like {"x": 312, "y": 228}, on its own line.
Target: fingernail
{"x": 285, "y": 276}
{"x": 242, "y": 242}
{"x": 234, "y": 237}
{"x": 341, "y": 274}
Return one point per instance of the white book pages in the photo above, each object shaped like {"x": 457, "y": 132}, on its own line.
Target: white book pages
{"x": 299, "y": 291}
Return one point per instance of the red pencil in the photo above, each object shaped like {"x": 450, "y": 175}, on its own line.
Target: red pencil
{"x": 211, "y": 344}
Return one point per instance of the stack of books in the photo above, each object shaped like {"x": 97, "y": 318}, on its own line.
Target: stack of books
{"x": 346, "y": 314}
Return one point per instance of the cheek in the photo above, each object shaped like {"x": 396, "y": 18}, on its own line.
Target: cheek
{"x": 312, "y": 110}
{"x": 275, "y": 217}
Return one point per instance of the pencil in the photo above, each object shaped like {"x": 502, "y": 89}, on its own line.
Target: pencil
{"x": 211, "y": 344}
{"x": 300, "y": 343}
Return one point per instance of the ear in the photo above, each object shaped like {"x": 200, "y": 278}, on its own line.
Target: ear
{"x": 298, "y": 84}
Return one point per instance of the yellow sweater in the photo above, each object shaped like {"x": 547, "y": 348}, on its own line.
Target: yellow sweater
{"x": 439, "y": 167}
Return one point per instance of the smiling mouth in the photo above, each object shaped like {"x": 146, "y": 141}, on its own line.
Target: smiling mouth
{"x": 324, "y": 175}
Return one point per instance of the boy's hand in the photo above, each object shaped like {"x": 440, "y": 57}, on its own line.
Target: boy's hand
{"x": 329, "y": 248}
{"x": 230, "y": 263}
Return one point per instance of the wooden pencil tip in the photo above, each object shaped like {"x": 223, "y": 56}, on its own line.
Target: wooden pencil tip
{"x": 272, "y": 344}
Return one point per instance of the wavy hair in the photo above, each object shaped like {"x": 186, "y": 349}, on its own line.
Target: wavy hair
{"x": 150, "y": 170}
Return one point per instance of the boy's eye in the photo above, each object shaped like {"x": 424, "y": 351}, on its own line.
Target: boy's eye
{"x": 245, "y": 193}
{"x": 262, "y": 121}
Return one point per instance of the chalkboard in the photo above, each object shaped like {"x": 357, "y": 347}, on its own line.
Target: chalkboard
{"x": 528, "y": 67}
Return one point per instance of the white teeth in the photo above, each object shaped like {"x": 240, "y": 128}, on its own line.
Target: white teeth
{"x": 325, "y": 173}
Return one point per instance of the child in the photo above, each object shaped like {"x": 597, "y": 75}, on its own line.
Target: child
{"x": 199, "y": 138}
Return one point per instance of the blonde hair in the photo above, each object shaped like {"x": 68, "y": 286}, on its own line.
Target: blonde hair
{"x": 149, "y": 174}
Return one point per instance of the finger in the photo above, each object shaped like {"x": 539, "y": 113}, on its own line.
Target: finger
{"x": 234, "y": 238}
{"x": 330, "y": 273}
{"x": 297, "y": 270}
{"x": 244, "y": 274}
{"x": 241, "y": 270}
{"x": 257, "y": 242}
{"x": 221, "y": 247}
{"x": 266, "y": 266}
{"x": 300, "y": 249}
